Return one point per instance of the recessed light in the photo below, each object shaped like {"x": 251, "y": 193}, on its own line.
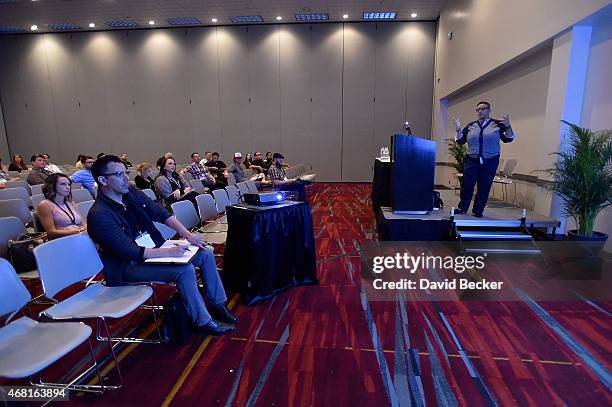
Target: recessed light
{"x": 151, "y": 22}
{"x": 345, "y": 16}
{"x": 214, "y": 20}
{"x": 413, "y": 15}
{"x": 279, "y": 18}
{"x": 34, "y": 27}
{"x": 92, "y": 25}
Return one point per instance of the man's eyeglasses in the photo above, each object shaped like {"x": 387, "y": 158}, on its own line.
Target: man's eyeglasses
{"x": 480, "y": 109}
{"x": 117, "y": 174}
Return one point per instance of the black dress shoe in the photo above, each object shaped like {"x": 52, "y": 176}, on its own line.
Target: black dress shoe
{"x": 477, "y": 215}
{"x": 216, "y": 328}
{"x": 221, "y": 313}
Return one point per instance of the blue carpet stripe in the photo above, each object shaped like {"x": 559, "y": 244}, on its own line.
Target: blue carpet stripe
{"x": 591, "y": 361}
{"x": 591, "y": 303}
{"x": 437, "y": 338}
{"x": 264, "y": 317}
{"x": 268, "y": 368}
{"x": 400, "y": 371}
{"x": 412, "y": 357}
{"x": 282, "y": 312}
{"x": 234, "y": 389}
{"x": 444, "y": 393}
{"x": 380, "y": 357}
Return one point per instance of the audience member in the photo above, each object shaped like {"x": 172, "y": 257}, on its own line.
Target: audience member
{"x": 17, "y": 164}
{"x": 78, "y": 163}
{"x": 237, "y": 168}
{"x": 52, "y": 168}
{"x": 279, "y": 178}
{"x": 171, "y": 186}
{"x": 124, "y": 158}
{"x": 39, "y": 173}
{"x": 161, "y": 159}
{"x": 4, "y": 176}
{"x": 201, "y": 172}
{"x": 57, "y": 214}
{"x": 248, "y": 160}
{"x": 217, "y": 168}
{"x": 207, "y": 158}
{"x": 100, "y": 155}
{"x": 121, "y": 221}
{"x": 84, "y": 176}
{"x": 258, "y": 163}
{"x": 144, "y": 179}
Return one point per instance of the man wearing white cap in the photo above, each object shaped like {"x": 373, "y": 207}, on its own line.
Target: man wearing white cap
{"x": 238, "y": 169}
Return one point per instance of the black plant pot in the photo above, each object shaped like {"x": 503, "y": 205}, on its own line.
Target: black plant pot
{"x": 587, "y": 262}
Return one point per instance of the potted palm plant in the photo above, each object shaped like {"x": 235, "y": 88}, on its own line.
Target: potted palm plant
{"x": 582, "y": 177}
{"x": 457, "y": 152}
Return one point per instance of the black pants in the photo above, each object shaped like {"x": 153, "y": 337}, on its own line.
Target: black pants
{"x": 481, "y": 174}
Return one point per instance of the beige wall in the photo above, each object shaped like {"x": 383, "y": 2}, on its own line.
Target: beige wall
{"x": 597, "y": 108}
{"x": 505, "y": 29}
{"x": 4, "y": 150}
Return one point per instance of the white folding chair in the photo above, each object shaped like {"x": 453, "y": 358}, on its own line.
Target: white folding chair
{"x": 233, "y": 193}
{"x": 20, "y": 183}
{"x": 208, "y": 212}
{"x": 166, "y": 232}
{"x": 149, "y": 193}
{"x": 17, "y": 208}
{"x": 37, "y": 189}
{"x": 16, "y": 193}
{"x": 81, "y": 195}
{"x": 221, "y": 199}
{"x": 68, "y": 260}
{"x": 252, "y": 186}
{"x": 188, "y": 176}
{"x": 186, "y": 213}
{"x": 84, "y": 207}
{"x": 76, "y": 185}
{"x": 36, "y": 199}
{"x": 197, "y": 186}
{"x": 506, "y": 179}
{"x": 231, "y": 179}
{"x": 243, "y": 188}
{"x": 28, "y": 347}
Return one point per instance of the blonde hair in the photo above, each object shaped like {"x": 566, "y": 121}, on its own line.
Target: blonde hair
{"x": 143, "y": 166}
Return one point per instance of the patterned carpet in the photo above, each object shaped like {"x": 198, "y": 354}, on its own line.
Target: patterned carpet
{"x": 331, "y": 345}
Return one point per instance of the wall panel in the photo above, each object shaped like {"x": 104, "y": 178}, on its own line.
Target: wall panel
{"x": 358, "y": 150}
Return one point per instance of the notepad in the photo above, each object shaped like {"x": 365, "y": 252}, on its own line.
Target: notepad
{"x": 186, "y": 258}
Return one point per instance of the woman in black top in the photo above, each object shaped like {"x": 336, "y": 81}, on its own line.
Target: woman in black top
{"x": 144, "y": 180}
{"x": 17, "y": 164}
{"x": 248, "y": 160}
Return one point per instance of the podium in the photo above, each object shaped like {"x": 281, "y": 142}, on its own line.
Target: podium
{"x": 414, "y": 165}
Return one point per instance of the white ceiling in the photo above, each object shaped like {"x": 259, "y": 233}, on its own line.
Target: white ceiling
{"x": 24, "y": 13}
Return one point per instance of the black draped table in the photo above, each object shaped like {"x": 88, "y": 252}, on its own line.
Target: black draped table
{"x": 381, "y": 184}
{"x": 268, "y": 249}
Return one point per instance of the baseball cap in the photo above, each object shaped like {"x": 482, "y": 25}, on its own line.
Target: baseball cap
{"x": 238, "y": 155}
{"x": 277, "y": 155}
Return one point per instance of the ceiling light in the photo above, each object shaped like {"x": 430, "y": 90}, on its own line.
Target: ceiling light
{"x": 312, "y": 17}
{"x": 413, "y": 15}
{"x": 183, "y": 21}
{"x": 34, "y": 27}
{"x": 278, "y": 18}
{"x": 214, "y": 20}
{"x": 246, "y": 19}
{"x": 121, "y": 24}
{"x": 92, "y": 25}
{"x": 151, "y": 22}
{"x": 64, "y": 26}
{"x": 345, "y": 16}
{"x": 379, "y": 15}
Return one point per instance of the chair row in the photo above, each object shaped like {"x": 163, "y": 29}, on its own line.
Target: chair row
{"x": 34, "y": 189}
{"x": 29, "y": 346}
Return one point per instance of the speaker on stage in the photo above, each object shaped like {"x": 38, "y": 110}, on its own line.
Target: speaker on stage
{"x": 414, "y": 165}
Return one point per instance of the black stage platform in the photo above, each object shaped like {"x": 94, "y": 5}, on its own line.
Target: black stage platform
{"x": 437, "y": 225}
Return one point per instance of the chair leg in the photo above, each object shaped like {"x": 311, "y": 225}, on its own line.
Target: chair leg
{"x": 125, "y": 339}
{"x": 97, "y": 389}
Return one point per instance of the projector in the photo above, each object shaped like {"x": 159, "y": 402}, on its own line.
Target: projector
{"x": 264, "y": 198}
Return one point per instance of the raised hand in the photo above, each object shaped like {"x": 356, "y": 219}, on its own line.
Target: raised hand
{"x": 506, "y": 120}
{"x": 457, "y": 124}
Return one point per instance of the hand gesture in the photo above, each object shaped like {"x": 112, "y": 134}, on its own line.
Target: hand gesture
{"x": 187, "y": 189}
{"x": 506, "y": 120}
{"x": 196, "y": 240}
{"x": 457, "y": 124}
{"x": 176, "y": 194}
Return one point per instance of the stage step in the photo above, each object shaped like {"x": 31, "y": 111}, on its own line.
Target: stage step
{"x": 492, "y": 235}
{"x": 501, "y": 247}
